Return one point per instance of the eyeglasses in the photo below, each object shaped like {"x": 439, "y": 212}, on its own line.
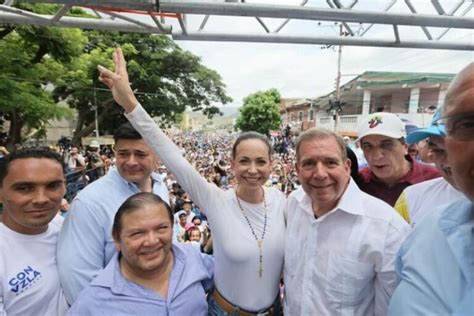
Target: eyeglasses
{"x": 459, "y": 126}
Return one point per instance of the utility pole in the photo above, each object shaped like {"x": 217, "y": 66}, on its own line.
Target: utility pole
{"x": 96, "y": 117}
{"x": 338, "y": 83}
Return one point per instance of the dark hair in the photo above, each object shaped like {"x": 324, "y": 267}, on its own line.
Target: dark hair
{"x": 251, "y": 135}
{"x": 187, "y": 234}
{"x": 180, "y": 192}
{"x": 126, "y": 131}
{"x": 25, "y": 153}
{"x": 354, "y": 166}
{"x": 135, "y": 203}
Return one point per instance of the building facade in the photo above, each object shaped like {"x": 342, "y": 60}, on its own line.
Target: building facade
{"x": 413, "y": 96}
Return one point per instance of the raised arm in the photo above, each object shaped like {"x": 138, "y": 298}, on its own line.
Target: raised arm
{"x": 118, "y": 82}
{"x": 206, "y": 195}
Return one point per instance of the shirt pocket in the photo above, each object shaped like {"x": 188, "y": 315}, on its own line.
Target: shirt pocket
{"x": 348, "y": 281}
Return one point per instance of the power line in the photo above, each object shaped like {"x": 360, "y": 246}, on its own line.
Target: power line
{"x": 78, "y": 87}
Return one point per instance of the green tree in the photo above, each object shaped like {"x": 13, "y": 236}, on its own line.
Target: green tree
{"x": 32, "y": 59}
{"x": 36, "y": 60}
{"x": 167, "y": 80}
{"x": 29, "y": 63}
{"x": 260, "y": 112}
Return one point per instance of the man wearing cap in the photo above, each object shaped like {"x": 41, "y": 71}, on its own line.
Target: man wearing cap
{"x": 162, "y": 172}
{"x": 436, "y": 262}
{"x": 418, "y": 200}
{"x": 390, "y": 169}
{"x": 94, "y": 162}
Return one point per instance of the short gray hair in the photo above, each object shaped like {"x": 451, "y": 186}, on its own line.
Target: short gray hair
{"x": 320, "y": 133}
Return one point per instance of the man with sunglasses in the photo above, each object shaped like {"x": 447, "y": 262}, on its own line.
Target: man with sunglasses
{"x": 420, "y": 199}
{"x": 436, "y": 262}
{"x": 85, "y": 244}
{"x": 390, "y": 168}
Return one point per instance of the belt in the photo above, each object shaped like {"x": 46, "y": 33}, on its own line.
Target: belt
{"x": 235, "y": 310}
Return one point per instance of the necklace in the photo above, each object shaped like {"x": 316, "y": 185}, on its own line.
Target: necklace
{"x": 259, "y": 241}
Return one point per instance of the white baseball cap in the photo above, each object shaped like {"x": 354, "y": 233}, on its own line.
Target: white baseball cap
{"x": 94, "y": 144}
{"x": 381, "y": 123}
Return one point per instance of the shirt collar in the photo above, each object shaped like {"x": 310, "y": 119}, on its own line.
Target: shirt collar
{"x": 106, "y": 277}
{"x": 414, "y": 175}
{"x": 111, "y": 276}
{"x": 350, "y": 201}
{"x": 156, "y": 178}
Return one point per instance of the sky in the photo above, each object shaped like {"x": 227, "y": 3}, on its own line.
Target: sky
{"x": 307, "y": 71}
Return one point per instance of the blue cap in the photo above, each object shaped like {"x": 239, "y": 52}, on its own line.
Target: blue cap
{"x": 433, "y": 130}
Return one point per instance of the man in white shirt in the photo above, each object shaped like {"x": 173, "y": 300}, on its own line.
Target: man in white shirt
{"x": 341, "y": 242}
{"x": 32, "y": 185}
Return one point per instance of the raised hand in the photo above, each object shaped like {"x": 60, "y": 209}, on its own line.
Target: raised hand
{"x": 118, "y": 81}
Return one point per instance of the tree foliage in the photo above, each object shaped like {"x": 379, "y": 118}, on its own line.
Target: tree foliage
{"x": 166, "y": 79}
{"x": 26, "y": 70}
{"x": 260, "y": 112}
{"x": 32, "y": 59}
{"x": 42, "y": 66}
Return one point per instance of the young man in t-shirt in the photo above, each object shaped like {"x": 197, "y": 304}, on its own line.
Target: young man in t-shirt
{"x": 32, "y": 185}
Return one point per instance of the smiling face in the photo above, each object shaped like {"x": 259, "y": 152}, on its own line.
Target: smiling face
{"x": 135, "y": 160}
{"x": 31, "y": 194}
{"x": 194, "y": 234}
{"x": 385, "y": 157}
{"x": 251, "y": 163}
{"x": 323, "y": 173}
{"x": 145, "y": 240}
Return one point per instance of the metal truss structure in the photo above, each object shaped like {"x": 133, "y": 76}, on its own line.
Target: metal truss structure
{"x": 173, "y": 17}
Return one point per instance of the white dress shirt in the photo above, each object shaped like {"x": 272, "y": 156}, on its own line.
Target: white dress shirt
{"x": 341, "y": 263}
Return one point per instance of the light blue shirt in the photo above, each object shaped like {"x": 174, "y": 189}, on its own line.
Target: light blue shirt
{"x": 85, "y": 243}
{"x": 436, "y": 265}
{"x": 111, "y": 294}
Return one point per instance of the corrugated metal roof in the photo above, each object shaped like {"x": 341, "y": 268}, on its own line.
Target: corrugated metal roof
{"x": 377, "y": 78}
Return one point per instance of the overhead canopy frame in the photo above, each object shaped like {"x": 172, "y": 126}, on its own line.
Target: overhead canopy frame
{"x": 170, "y": 17}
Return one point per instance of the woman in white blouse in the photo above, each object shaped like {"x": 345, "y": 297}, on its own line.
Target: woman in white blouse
{"x": 247, "y": 221}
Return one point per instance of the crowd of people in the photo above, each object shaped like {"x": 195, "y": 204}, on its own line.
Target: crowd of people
{"x": 196, "y": 224}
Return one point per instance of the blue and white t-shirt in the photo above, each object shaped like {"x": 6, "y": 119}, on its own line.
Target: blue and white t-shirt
{"x": 28, "y": 273}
